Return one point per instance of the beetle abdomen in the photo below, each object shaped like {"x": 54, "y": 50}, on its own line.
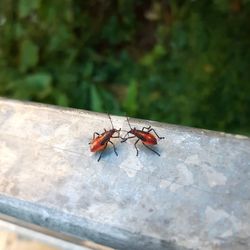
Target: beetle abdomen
{"x": 96, "y": 146}
{"x": 146, "y": 137}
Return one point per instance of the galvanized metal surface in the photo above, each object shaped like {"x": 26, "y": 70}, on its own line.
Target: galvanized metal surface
{"x": 15, "y": 237}
{"x": 196, "y": 195}
{"x": 16, "y": 234}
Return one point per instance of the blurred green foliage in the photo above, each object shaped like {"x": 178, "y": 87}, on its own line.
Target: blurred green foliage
{"x": 183, "y": 62}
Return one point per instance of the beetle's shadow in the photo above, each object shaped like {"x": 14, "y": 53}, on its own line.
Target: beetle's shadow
{"x": 108, "y": 155}
{"x": 126, "y": 149}
{"x": 143, "y": 149}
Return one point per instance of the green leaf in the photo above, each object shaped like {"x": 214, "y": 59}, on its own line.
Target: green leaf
{"x": 151, "y": 57}
{"x": 130, "y": 103}
{"x": 111, "y": 104}
{"x": 96, "y": 100}
{"x": 62, "y": 99}
{"x": 25, "y": 7}
{"x": 36, "y": 86}
{"x": 39, "y": 80}
{"x": 222, "y": 5}
{"x": 88, "y": 69}
{"x": 28, "y": 57}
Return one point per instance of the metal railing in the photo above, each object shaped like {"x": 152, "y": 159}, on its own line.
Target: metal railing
{"x": 195, "y": 195}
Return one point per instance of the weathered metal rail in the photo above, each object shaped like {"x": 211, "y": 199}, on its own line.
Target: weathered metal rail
{"x": 196, "y": 195}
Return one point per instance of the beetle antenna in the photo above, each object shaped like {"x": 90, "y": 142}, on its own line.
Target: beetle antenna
{"x": 111, "y": 121}
{"x": 129, "y": 123}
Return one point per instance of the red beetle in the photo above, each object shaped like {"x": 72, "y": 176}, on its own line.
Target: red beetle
{"x": 100, "y": 142}
{"x": 145, "y": 137}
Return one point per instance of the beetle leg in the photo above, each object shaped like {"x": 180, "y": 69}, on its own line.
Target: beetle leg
{"x": 102, "y": 153}
{"x": 114, "y": 147}
{"x": 146, "y": 128}
{"x": 118, "y": 134}
{"x": 137, "y": 151}
{"x": 156, "y": 134}
{"x": 125, "y": 139}
{"x": 151, "y": 149}
{"x": 95, "y": 133}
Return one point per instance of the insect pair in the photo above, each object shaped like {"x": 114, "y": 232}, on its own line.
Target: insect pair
{"x": 100, "y": 142}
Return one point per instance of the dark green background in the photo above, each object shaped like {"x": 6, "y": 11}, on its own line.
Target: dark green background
{"x": 183, "y": 62}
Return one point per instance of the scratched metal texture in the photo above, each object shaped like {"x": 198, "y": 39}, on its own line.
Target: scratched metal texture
{"x": 196, "y": 195}
{"x": 17, "y": 237}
